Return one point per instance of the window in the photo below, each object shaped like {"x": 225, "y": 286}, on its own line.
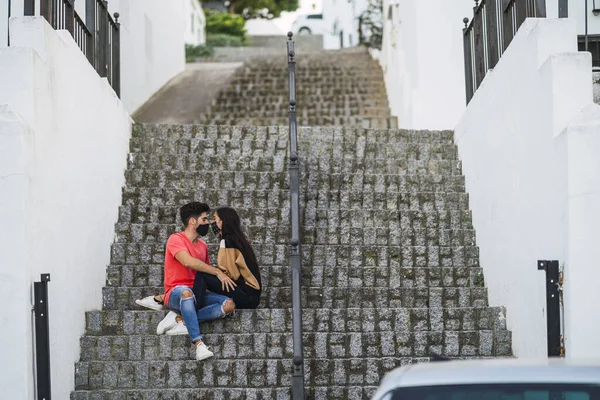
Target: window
{"x": 499, "y": 392}
{"x": 315, "y": 16}
{"x": 593, "y": 47}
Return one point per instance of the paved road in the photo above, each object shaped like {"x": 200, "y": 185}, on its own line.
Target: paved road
{"x": 186, "y": 97}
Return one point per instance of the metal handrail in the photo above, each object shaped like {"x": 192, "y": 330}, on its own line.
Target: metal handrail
{"x": 295, "y": 254}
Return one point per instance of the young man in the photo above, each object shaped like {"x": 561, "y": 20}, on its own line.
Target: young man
{"x": 185, "y": 255}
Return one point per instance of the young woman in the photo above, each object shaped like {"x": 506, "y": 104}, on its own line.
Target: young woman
{"x": 236, "y": 259}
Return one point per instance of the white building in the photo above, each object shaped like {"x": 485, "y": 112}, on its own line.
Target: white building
{"x": 195, "y": 32}
{"x": 341, "y": 19}
{"x": 64, "y": 139}
{"x": 528, "y": 141}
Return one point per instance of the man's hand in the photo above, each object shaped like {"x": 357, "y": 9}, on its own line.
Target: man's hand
{"x": 226, "y": 282}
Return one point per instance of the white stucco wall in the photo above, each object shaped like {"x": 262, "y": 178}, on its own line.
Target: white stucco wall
{"x": 152, "y": 43}
{"x": 521, "y": 171}
{"x": 64, "y": 138}
{"x": 3, "y": 23}
{"x": 195, "y": 23}
{"x": 577, "y": 11}
{"x": 152, "y": 46}
{"x": 422, "y": 58}
{"x": 342, "y": 14}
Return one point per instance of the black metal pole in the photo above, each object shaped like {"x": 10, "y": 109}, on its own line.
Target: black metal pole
{"x": 116, "y": 56}
{"x": 468, "y": 61}
{"x": 295, "y": 262}
{"x": 42, "y": 338}
{"x": 552, "y": 306}
{"x": 586, "y": 25}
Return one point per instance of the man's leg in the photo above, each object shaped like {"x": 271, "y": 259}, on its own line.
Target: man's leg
{"x": 182, "y": 300}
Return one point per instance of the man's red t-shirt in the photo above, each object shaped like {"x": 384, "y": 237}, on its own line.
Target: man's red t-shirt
{"x": 175, "y": 273}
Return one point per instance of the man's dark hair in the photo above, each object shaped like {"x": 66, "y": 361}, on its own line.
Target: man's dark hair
{"x": 192, "y": 210}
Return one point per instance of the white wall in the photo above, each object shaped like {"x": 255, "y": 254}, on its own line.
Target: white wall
{"x": 422, "y": 58}
{"x": 64, "y": 138}
{"x": 342, "y": 14}
{"x": 3, "y": 23}
{"x": 152, "y": 43}
{"x": 152, "y": 46}
{"x": 526, "y": 183}
{"x": 577, "y": 11}
{"x": 195, "y": 23}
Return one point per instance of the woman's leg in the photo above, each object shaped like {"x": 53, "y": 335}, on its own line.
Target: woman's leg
{"x": 243, "y": 296}
{"x": 215, "y": 306}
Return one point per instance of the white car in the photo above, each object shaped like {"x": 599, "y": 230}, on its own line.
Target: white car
{"x": 500, "y": 379}
{"x": 309, "y": 24}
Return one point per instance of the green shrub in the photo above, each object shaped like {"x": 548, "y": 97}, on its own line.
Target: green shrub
{"x": 223, "y": 40}
{"x": 228, "y": 24}
{"x": 194, "y": 52}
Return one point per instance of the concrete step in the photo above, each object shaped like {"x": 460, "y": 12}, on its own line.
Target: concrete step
{"x": 277, "y": 254}
{"x": 333, "y": 273}
{"x": 123, "y": 298}
{"x": 253, "y": 346}
{"x": 280, "y": 162}
{"x": 327, "y": 235}
{"x": 262, "y": 134}
{"x": 197, "y": 150}
{"x": 228, "y": 180}
{"x": 399, "y": 201}
{"x": 230, "y": 392}
{"x": 276, "y": 216}
{"x": 346, "y": 320}
{"x": 215, "y": 373}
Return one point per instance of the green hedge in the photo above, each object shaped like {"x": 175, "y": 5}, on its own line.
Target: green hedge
{"x": 222, "y": 40}
{"x": 192, "y": 53}
{"x": 225, "y": 23}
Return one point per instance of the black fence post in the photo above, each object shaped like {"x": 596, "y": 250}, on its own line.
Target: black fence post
{"x": 295, "y": 249}
{"x": 116, "y": 56}
{"x": 90, "y": 22}
{"x": 468, "y": 60}
{"x": 69, "y": 7}
{"x": 42, "y": 338}
{"x": 552, "y": 306}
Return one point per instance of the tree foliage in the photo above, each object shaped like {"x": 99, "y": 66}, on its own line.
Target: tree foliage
{"x": 371, "y": 25}
{"x": 255, "y": 8}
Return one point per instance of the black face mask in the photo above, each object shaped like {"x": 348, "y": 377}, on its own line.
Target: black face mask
{"x": 202, "y": 230}
{"x": 215, "y": 228}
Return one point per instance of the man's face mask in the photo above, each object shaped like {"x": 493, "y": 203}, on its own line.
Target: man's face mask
{"x": 202, "y": 230}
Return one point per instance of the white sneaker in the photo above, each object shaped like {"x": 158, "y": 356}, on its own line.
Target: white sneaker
{"x": 202, "y": 352}
{"x": 167, "y": 323}
{"x": 178, "y": 329}
{"x": 150, "y": 303}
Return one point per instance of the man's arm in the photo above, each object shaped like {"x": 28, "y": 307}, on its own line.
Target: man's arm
{"x": 193, "y": 263}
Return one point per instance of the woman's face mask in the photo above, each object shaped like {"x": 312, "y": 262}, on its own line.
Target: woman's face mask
{"x": 214, "y": 227}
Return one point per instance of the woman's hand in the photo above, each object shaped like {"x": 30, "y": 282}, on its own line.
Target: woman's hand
{"x": 227, "y": 283}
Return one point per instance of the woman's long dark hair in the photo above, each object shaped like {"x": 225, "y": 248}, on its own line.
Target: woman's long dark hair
{"x": 232, "y": 230}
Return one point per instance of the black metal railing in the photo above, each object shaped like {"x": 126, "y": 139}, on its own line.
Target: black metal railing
{"x": 553, "y": 302}
{"x": 487, "y": 36}
{"x": 42, "y": 338}
{"x": 592, "y": 42}
{"x": 98, "y": 37}
{"x": 295, "y": 245}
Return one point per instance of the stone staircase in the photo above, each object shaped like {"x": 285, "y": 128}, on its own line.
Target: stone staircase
{"x": 341, "y": 88}
{"x": 391, "y": 270}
